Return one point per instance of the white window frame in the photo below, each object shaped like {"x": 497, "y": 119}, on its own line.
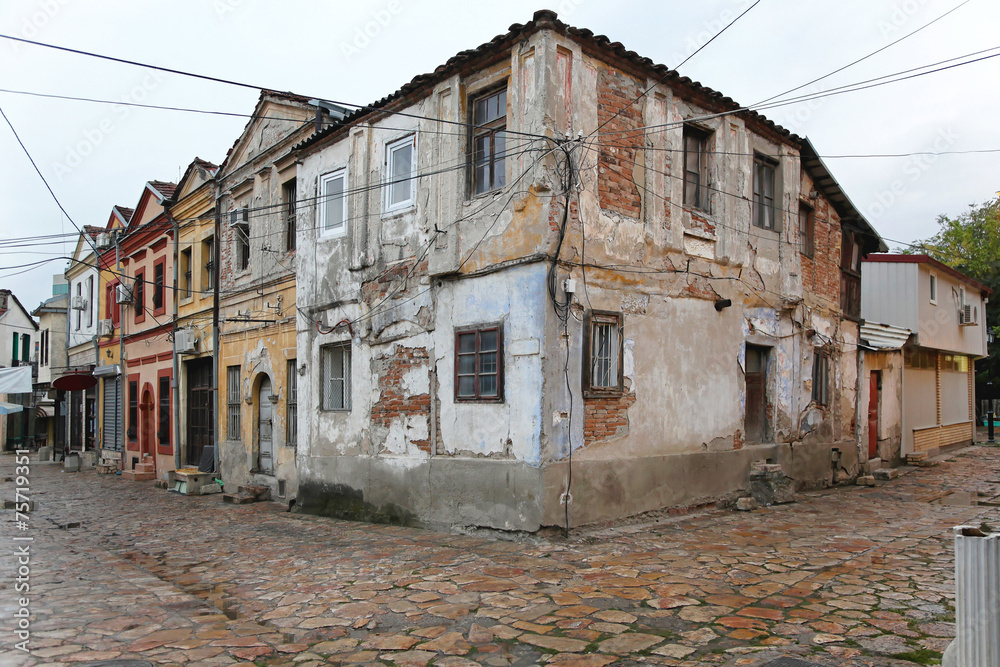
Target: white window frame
{"x": 341, "y": 229}
{"x": 327, "y": 380}
{"x": 390, "y": 150}
{"x": 933, "y": 289}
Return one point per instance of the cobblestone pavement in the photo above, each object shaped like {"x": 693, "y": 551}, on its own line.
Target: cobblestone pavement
{"x": 847, "y": 576}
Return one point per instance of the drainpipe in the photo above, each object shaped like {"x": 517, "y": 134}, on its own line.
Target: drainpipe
{"x": 177, "y": 375}
{"x": 123, "y": 378}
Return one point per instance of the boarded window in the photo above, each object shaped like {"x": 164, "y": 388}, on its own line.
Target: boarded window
{"x": 163, "y": 421}
{"x": 288, "y": 196}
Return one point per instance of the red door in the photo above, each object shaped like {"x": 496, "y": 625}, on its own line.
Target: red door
{"x": 873, "y": 383}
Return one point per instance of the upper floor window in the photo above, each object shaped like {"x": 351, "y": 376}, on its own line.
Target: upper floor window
{"x": 208, "y": 252}
{"x": 333, "y": 203}
{"x": 807, "y": 230}
{"x": 479, "y": 364}
{"x": 489, "y": 142}
{"x": 933, "y": 288}
{"x": 185, "y": 273}
{"x": 239, "y": 220}
{"x": 696, "y": 167}
{"x": 288, "y": 196}
{"x": 159, "y": 305}
{"x": 79, "y": 312}
{"x": 763, "y": 192}
{"x": 90, "y": 301}
{"x": 603, "y": 353}
{"x": 400, "y": 170}
{"x": 139, "y": 296}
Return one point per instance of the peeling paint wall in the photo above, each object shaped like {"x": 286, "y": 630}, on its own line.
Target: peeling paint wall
{"x": 693, "y": 286}
{"x": 257, "y": 310}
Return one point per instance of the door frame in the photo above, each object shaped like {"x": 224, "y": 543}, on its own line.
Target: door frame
{"x": 874, "y": 396}
{"x": 766, "y": 356}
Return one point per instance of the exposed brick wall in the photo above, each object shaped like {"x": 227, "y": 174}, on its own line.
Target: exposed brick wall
{"x": 394, "y": 404}
{"x": 821, "y": 272}
{"x": 376, "y": 290}
{"x": 618, "y": 151}
{"x": 606, "y": 417}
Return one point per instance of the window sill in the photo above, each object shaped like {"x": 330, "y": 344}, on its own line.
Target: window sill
{"x": 399, "y": 211}
{"x": 489, "y": 401}
{"x": 603, "y": 393}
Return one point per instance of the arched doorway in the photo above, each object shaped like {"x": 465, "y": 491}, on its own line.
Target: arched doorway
{"x": 147, "y": 424}
{"x": 265, "y": 443}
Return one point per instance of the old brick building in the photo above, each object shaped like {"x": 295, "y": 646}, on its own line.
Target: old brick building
{"x": 552, "y": 282}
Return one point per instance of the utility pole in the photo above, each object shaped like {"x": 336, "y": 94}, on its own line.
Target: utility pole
{"x": 177, "y": 375}
{"x": 215, "y": 332}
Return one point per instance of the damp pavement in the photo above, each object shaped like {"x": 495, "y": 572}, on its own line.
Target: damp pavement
{"x": 851, "y": 576}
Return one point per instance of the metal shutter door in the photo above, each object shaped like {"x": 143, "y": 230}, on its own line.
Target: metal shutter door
{"x": 112, "y": 414}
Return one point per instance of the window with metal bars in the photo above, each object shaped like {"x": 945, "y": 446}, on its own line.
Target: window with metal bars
{"x": 233, "y": 406}
{"x": 479, "y": 364}
{"x": 292, "y": 405}
{"x": 603, "y": 353}
{"x": 335, "y": 377}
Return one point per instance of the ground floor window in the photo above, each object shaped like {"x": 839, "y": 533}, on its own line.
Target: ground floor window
{"x": 233, "y": 402}
{"x": 335, "y": 377}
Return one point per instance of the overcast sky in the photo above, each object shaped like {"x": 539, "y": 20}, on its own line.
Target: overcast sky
{"x": 96, "y": 156}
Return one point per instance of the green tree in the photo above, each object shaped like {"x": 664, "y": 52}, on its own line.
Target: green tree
{"x": 970, "y": 243}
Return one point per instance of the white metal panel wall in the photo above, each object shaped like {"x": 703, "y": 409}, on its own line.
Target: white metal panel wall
{"x": 889, "y": 293}
{"x": 977, "y": 603}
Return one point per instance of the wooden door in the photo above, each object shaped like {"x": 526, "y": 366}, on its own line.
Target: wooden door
{"x": 873, "y": 396}
{"x": 755, "y": 421}
{"x": 200, "y": 419}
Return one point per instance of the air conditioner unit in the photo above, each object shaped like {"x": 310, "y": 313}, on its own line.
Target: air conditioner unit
{"x": 78, "y": 303}
{"x": 185, "y": 341}
{"x": 238, "y": 216}
{"x": 105, "y": 328}
{"x": 103, "y": 241}
{"x": 123, "y": 293}
{"x": 968, "y": 315}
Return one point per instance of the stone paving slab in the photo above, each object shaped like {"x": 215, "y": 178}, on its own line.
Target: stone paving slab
{"x": 855, "y": 576}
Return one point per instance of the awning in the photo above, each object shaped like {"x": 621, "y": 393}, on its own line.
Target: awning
{"x": 15, "y": 380}
{"x": 76, "y": 381}
{"x": 9, "y": 408}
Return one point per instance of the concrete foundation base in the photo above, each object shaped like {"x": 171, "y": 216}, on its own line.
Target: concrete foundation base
{"x": 507, "y": 495}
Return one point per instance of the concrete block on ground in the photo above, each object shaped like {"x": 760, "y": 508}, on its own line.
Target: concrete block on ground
{"x": 770, "y": 486}
{"x": 746, "y": 504}
{"x": 866, "y": 480}
{"x": 44, "y": 453}
{"x": 886, "y": 474}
